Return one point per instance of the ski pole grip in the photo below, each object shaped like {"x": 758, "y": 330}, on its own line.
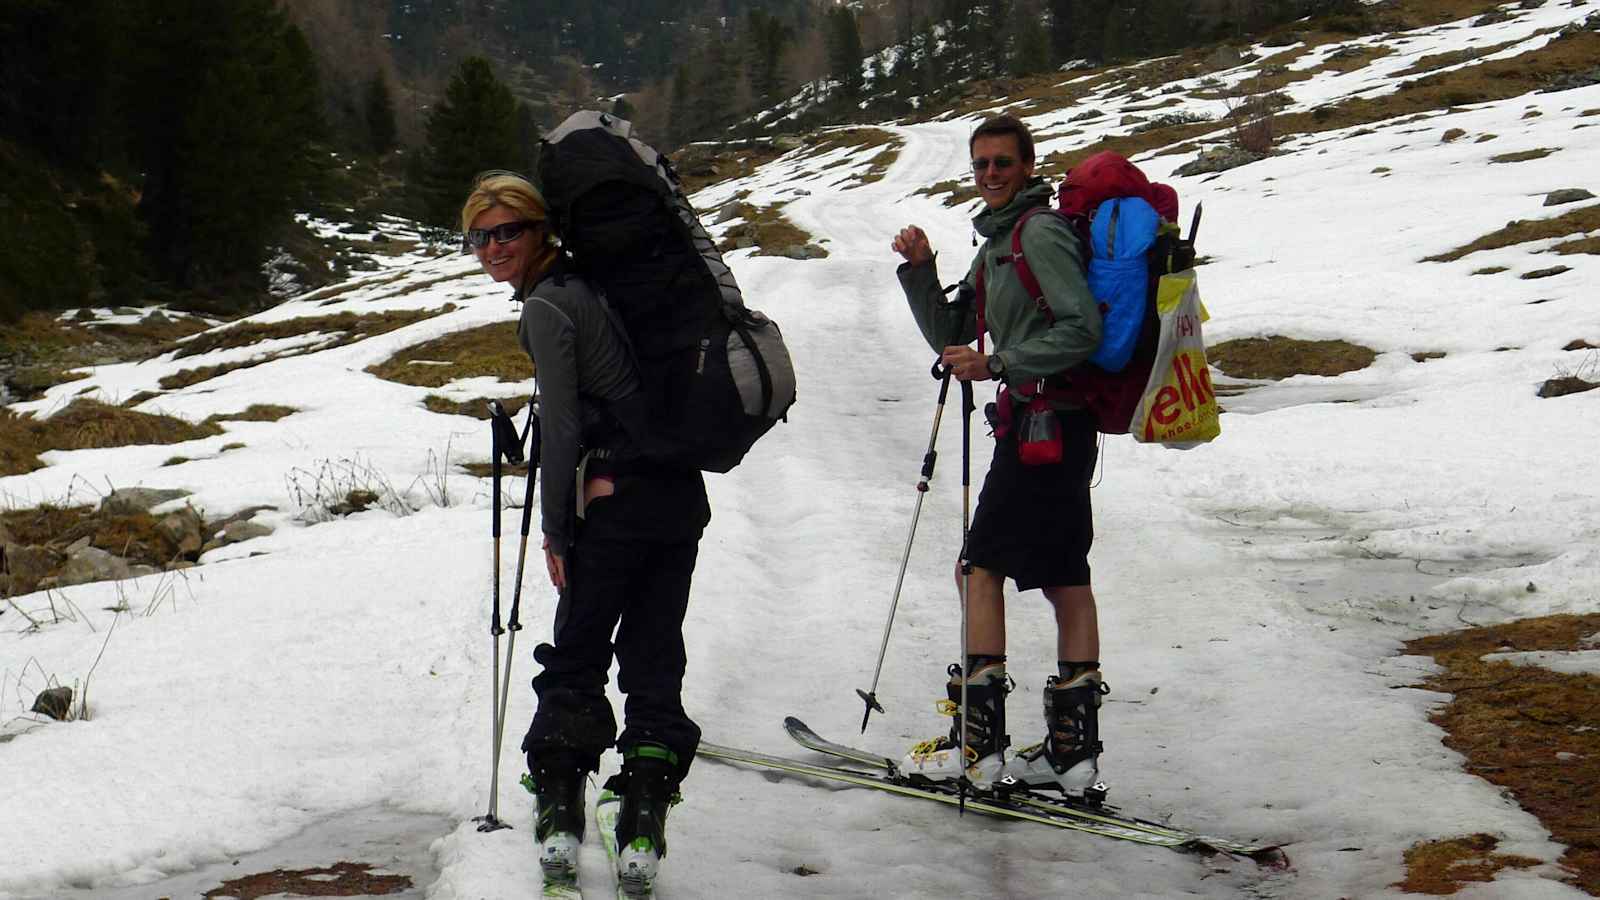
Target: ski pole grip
{"x": 506, "y": 442}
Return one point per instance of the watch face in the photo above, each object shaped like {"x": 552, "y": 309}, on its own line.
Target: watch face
{"x": 995, "y": 365}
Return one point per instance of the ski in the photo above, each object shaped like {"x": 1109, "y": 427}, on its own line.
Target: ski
{"x": 989, "y": 804}
{"x": 606, "y": 813}
{"x": 561, "y": 889}
{"x": 803, "y": 735}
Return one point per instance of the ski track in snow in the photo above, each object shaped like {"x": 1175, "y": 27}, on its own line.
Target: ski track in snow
{"x": 1253, "y": 593}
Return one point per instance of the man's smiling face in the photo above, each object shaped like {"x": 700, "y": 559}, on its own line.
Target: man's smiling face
{"x": 1003, "y": 173}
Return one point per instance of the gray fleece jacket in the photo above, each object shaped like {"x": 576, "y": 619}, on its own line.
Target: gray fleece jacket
{"x": 579, "y": 358}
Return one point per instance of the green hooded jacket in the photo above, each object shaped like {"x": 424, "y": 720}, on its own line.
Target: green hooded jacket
{"x": 1026, "y": 342}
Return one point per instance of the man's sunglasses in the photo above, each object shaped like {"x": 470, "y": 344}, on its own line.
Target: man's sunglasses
{"x": 1001, "y": 163}
{"x": 503, "y": 234}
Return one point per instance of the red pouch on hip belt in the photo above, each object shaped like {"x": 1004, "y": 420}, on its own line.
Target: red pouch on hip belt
{"x": 1039, "y": 433}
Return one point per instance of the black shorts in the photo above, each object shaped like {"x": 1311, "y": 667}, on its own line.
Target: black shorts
{"x": 1034, "y": 524}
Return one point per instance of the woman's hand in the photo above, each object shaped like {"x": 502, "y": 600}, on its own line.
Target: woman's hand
{"x": 556, "y": 566}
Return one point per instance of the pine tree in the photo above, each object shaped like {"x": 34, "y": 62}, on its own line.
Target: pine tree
{"x": 224, "y": 109}
{"x": 1031, "y": 47}
{"x": 1063, "y": 31}
{"x": 844, "y": 51}
{"x": 378, "y": 112}
{"x": 472, "y": 129}
{"x": 769, "y": 35}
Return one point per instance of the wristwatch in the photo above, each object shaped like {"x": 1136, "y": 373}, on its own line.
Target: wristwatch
{"x": 997, "y": 366}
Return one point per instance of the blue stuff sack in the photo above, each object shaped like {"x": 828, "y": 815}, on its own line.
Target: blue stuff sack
{"x": 1120, "y": 235}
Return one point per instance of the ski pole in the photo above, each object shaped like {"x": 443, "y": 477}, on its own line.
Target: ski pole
{"x": 532, "y": 433}
{"x": 966, "y": 573}
{"x": 870, "y": 697}
{"x": 504, "y": 443}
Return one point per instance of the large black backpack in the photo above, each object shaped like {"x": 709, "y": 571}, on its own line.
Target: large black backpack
{"x": 716, "y": 374}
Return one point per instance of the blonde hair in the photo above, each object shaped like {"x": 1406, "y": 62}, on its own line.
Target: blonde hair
{"x": 516, "y": 193}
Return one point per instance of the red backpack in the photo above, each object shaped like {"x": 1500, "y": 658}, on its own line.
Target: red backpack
{"x": 1112, "y": 397}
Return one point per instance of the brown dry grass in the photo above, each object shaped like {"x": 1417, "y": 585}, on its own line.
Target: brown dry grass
{"x": 1577, "y": 221}
{"x": 477, "y": 408}
{"x": 255, "y": 412}
{"x": 1445, "y": 866}
{"x": 1494, "y": 80}
{"x": 342, "y": 328}
{"x": 1523, "y": 155}
{"x": 87, "y": 424}
{"x": 701, "y": 167}
{"x": 1435, "y": 61}
{"x": 1590, "y": 246}
{"x": 863, "y": 139}
{"x": 486, "y": 350}
{"x": 1531, "y": 731}
{"x": 773, "y": 232}
{"x": 1277, "y": 357}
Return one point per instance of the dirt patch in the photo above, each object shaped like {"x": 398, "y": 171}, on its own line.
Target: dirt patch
{"x": 1445, "y": 866}
{"x": 345, "y": 879}
{"x": 1277, "y": 357}
{"x": 477, "y": 408}
{"x": 340, "y": 329}
{"x": 1578, "y": 221}
{"x": 1528, "y": 729}
{"x": 490, "y": 350}
{"x": 87, "y": 424}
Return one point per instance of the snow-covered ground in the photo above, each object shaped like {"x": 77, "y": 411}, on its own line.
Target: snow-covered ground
{"x": 1253, "y": 593}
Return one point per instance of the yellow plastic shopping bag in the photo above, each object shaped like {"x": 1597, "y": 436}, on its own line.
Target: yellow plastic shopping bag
{"x": 1179, "y": 406}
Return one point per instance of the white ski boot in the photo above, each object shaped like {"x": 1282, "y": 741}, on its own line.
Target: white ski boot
{"x": 1068, "y": 759}
{"x": 558, "y": 820}
{"x": 938, "y": 759}
{"x": 645, "y": 789}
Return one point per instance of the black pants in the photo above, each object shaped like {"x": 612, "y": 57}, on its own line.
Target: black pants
{"x": 628, "y": 572}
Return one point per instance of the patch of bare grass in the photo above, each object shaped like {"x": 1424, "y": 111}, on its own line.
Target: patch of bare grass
{"x": 768, "y": 230}
{"x": 1277, "y": 357}
{"x": 861, "y": 139}
{"x": 1445, "y": 866}
{"x": 490, "y": 350}
{"x": 1483, "y": 82}
{"x": 30, "y": 382}
{"x": 477, "y": 408}
{"x": 700, "y": 166}
{"x": 1523, "y": 155}
{"x": 1435, "y": 61}
{"x": 1527, "y": 729}
{"x": 341, "y": 328}
{"x": 87, "y": 424}
{"x": 1577, "y": 221}
{"x": 255, "y": 412}
{"x": 1590, "y": 246}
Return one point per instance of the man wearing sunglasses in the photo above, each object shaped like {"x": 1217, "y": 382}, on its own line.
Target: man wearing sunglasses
{"x": 1033, "y": 522}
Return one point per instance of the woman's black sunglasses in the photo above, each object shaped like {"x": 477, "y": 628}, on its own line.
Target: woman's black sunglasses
{"x": 503, "y": 234}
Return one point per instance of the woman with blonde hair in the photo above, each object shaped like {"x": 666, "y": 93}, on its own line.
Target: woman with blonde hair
{"x": 621, "y": 535}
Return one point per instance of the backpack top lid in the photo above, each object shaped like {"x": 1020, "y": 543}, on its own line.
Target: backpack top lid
{"x": 591, "y": 148}
{"x": 1109, "y": 174}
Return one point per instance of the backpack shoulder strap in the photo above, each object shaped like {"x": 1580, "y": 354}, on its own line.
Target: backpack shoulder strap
{"x": 1030, "y": 282}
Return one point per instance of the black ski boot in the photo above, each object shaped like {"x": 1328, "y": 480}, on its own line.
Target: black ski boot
{"x": 1068, "y": 759}
{"x": 558, "y": 817}
{"x": 937, "y": 759}
{"x": 647, "y": 786}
